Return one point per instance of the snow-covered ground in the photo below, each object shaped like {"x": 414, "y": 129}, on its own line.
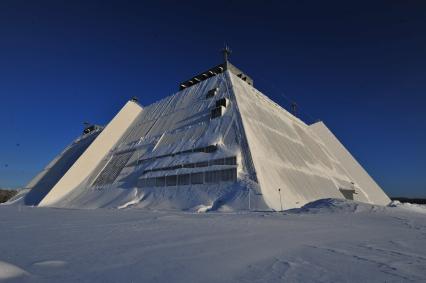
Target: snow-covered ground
{"x": 326, "y": 241}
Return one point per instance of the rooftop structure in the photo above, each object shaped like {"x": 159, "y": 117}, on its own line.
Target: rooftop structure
{"x": 225, "y": 66}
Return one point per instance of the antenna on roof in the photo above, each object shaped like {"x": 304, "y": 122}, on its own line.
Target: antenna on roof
{"x": 294, "y": 108}
{"x": 226, "y": 52}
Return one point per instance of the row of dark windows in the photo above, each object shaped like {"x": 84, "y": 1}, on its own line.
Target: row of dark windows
{"x": 220, "y": 161}
{"x": 198, "y": 178}
{"x": 206, "y": 149}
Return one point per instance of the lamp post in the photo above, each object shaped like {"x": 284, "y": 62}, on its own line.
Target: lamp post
{"x": 281, "y": 203}
{"x": 249, "y": 200}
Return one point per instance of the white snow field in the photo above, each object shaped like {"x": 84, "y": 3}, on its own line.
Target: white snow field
{"x": 325, "y": 241}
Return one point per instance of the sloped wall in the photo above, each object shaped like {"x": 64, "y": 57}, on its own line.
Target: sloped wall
{"x": 41, "y": 184}
{"x": 361, "y": 178}
{"x": 93, "y": 155}
{"x": 293, "y": 165}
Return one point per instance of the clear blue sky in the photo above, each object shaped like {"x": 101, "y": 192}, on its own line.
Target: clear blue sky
{"x": 359, "y": 66}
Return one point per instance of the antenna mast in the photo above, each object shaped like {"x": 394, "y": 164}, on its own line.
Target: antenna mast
{"x": 294, "y": 108}
{"x": 226, "y": 52}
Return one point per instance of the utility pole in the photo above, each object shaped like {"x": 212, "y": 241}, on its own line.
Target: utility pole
{"x": 281, "y": 203}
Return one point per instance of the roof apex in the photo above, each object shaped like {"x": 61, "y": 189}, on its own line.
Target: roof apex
{"x": 215, "y": 71}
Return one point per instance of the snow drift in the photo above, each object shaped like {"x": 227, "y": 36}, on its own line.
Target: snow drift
{"x": 336, "y": 243}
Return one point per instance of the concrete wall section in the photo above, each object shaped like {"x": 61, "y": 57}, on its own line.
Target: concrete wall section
{"x": 44, "y": 182}
{"x": 362, "y": 179}
{"x": 293, "y": 166}
{"x": 94, "y": 154}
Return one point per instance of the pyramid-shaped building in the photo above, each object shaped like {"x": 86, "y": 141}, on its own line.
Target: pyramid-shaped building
{"x": 216, "y": 144}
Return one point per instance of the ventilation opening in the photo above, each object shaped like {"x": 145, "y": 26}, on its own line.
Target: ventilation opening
{"x": 222, "y": 102}
{"x": 217, "y": 112}
{"x": 347, "y": 193}
{"x": 245, "y": 78}
{"x": 212, "y": 92}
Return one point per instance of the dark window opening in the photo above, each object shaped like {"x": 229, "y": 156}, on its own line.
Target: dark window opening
{"x": 210, "y": 148}
{"x": 160, "y": 181}
{"x": 222, "y": 102}
{"x": 216, "y": 112}
{"x": 218, "y": 162}
{"x": 347, "y": 193}
{"x": 202, "y": 164}
{"x": 171, "y": 180}
{"x": 212, "y": 92}
{"x": 231, "y": 160}
{"x": 197, "y": 178}
{"x": 229, "y": 175}
{"x": 183, "y": 179}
